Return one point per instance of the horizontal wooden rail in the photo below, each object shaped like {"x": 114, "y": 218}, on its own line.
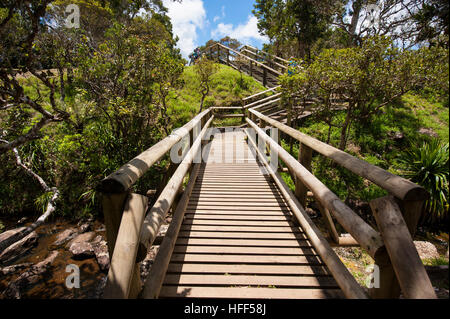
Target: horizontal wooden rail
{"x": 396, "y": 185}
{"x": 267, "y": 53}
{"x": 158, "y": 212}
{"x": 158, "y": 270}
{"x": 248, "y": 58}
{"x": 345, "y": 280}
{"x": 121, "y": 180}
{"x": 227, "y": 107}
{"x": 261, "y": 93}
{"x": 253, "y": 104}
{"x": 265, "y": 58}
{"x": 368, "y": 238}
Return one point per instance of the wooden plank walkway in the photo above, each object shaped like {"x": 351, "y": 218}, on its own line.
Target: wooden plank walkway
{"x": 239, "y": 238}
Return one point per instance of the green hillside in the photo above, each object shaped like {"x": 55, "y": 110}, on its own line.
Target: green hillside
{"x": 228, "y": 87}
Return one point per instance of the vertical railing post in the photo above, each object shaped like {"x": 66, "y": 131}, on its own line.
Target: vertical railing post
{"x": 264, "y": 77}
{"x": 218, "y": 54}
{"x": 113, "y": 205}
{"x": 304, "y": 157}
{"x": 251, "y": 68}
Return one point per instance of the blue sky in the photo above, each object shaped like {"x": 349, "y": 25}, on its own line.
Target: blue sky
{"x": 197, "y": 21}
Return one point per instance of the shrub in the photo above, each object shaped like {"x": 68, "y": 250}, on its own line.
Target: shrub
{"x": 427, "y": 165}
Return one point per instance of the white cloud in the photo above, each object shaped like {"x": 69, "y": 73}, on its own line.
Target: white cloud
{"x": 187, "y": 17}
{"x": 243, "y": 32}
{"x": 222, "y": 15}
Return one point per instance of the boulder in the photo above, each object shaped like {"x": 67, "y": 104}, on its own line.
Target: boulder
{"x": 85, "y": 237}
{"x": 81, "y": 250}
{"x": 101, "y": 253}
{"x": 427, "y": 131}
{"x": 13, "y": 268}
{"x": 85, "y": 228}
{"x": 19, "y": 248}
{"x": 11, "y": 232}
{"x": 29, "y": 277}
{"x": 63, "y": 237}
{"x": 426, "y": 249}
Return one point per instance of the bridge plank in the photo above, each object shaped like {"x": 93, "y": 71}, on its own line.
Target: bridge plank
{"x": 232, "y": 280}
{"x": 267, "y": 293}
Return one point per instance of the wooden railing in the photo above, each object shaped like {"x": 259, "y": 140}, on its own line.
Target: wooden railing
{"x": 239, "y": 61}
{"x": 397, "y": 215}
{"x": 130, "y": 230}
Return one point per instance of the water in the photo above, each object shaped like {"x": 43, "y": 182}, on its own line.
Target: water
{"x": 52, "y": 285}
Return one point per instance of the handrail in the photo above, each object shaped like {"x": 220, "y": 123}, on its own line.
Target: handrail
{"x": 122, "y": 179}
{"x": 158, "y": 270}
{"x": 368, "y": 238}
{"x": 261, "y": 93}
{"x": 396, "y": 185}
{"x": 267, "y": 53}
{"x": 265, "y": 58}
{"x": 159, "y": 210}
{"x": 248, "y": 58}
{"x": 128, "y": 233}
{"x": 271, "y": 97}
{"x": 345, "y": 280}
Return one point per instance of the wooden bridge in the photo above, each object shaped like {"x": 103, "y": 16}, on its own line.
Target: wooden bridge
{"x": 238, "y": 231}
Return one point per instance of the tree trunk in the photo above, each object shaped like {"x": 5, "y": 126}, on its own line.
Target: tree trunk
{"x": 344, "y": 129}
{"x": 51, "y": 207}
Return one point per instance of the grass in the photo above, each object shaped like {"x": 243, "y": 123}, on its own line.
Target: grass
{"x": 375, "y": 143}
{"x": 228, "y": 87}
{"x": 439, "y": 261}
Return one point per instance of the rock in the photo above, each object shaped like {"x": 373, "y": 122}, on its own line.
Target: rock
{"x": 398, "y": 136}
{"x": 19, "y": 248}
{"x": 85, "y": 227}
{"x": 101, "y": 254}
{"x": 22, "y": 221}
{"x": 426, "y": 249}
{"x": 427, "y": 131}
{"x": 29, "y": 277}
{"x": 11, "y": 232}
{"x": 63, "y": 237}
{"x": 82, "y": 250}
{"x": 86, "y": 237}
{"x": 147, "y": 263}
{"x": 13, "y": 268}
{"x": 312, "y": 213}
{"x": 163, "y": 230}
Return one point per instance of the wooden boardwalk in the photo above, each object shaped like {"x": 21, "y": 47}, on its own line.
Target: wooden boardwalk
{"x": 239, "y": 238}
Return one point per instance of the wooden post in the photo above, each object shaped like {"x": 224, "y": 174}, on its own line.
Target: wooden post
{"x": 264, "y": 77}
{"x": 408, "y": 267}
{"x": 228, "y": 57}
{"x": 412, "y": 211}
{"x": 389, "y": 285}
{"x": 124, "y": 275}
{"x": 113, "y": 205}
{"x": 328, "y": 220}
{"x": 304, "y": 157}
{"x": 218, "y": 54}
{"x": 251, "y": 68}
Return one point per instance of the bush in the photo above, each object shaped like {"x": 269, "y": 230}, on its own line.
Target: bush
{"x": 427, "y": 165}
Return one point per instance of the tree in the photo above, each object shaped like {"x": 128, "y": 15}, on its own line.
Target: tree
{"x": 301, "y": 20}
{"x": 366, "y": 78}
{"x": 433, "y": 21}
{"x": 205, "y": 69}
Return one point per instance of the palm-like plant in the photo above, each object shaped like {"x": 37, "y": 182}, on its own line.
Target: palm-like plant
{"x": 428, "y": 166}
